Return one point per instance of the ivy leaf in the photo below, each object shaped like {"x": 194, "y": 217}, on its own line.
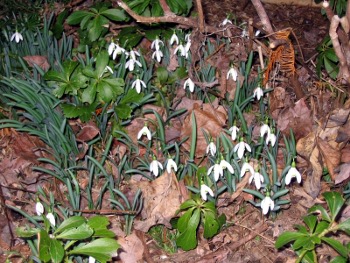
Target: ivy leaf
{"x": 288, "y": 237}
{"x": 335, "y": 202}
{"x": 102, "y": 249}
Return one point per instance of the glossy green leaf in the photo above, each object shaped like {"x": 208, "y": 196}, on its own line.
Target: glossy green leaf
{"x": 321, "y": 226}
{"x": 77, "y": 17}
{"x": 115, "y": 14}
{"x": 89, "y": 94}
{"x": 345, "y": 226}
{"x": 102, "y": 60}
{"x": 162, "y": 75}
{"x": 99, "y": 225}
{"x": 311, "y": 222}
{"x": 339, "y": 259}
{"x": 343, "y": 251}
{"x": 320, "y": 210}
{"x": 56, "y": 251}
{"x": 182, "y": 223}
{"x": 187, "y": 204}
{"x": 71, "y": 222}
{"x": 44, "y": 243}
{"x": 123, "y": 111}
{"x": 288, "y": 237}
{"x": 79, "y": 233}
{"x": 101, "y": 249}
{"x": 305, "y": 243}
{"x": 211, "y": 225}
{"x": 131, "y": 97}
{"x": 187, "y": 239}
{"x": 26, "y": 232}
{"x": 85, "y": 112}
{"x": 335, "y": 202}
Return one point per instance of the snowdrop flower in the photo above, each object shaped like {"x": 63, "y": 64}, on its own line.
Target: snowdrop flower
{"x": 264, "y": 129}
{"x": 271, "y": 137}
{"x": 258, "y": 93}
{"x": 241, "y": 147}
{"x": 154, "y": 166}
{"x": 182, "y": 50}
{"x": 188, "y": 37}
{"x": 132, "y": 54}
{"x": 218, "y": 171}
{"x": 211, "y": 148}
{"x": 234, "y": 129}
{"x": 226, "y": 165}
{"x": 115, "y": 49}
{"x": 92, "y": 260}
{"x": 293, "y": 172}
{"x": 156, "y": 44}
{"x": 244, "y": 33}
{"x": 130, "y": 64}
{"x": 258, "y": 179}
{"x": 233, "y": 73}
{"x": 173, "y": 39}
{"x": 190, "y": 84}
{"x": 267, "y": 204}
{"x": 158, "y": 54}
{"x": 144, "y": 131}
{"x": 187, "y": 48}
{"x": 51, "y": 219}
{"x": 257, "y": 32}
{"x": 206, "y": 190}
{"x": 225, "y": 22}
{"x": 137, "y": 84}
{"x": 39, "y": 208}
{"x": 171, "y": 164}
{"x": 246, "y": 167}
{"x": 17, "y": 37}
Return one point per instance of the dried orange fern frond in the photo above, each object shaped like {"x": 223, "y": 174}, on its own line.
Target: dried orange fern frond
{"x": 282, "y": 52}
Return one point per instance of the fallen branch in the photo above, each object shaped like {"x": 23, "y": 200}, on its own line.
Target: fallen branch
{"x": 170, "y": 17}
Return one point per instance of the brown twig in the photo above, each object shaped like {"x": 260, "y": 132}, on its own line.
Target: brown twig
{"x": 263, "y": 16}
{"x": 170, "y": 17}
{"x": 200, "y": 15}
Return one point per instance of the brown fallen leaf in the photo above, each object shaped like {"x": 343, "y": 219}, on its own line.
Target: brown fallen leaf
{"x": 131, "y": 249}
{"x": 40, "y": 61}
{"x": 88, "y": 132}
{"x": 161, "y": 199}
{"x": 343, "y": 174}
{"x": 331, "y": 156}
{"x": 210, "y": 120}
